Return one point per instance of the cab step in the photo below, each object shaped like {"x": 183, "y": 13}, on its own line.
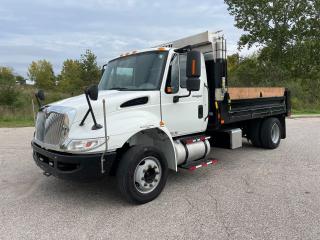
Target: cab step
{"x": 194, "y": 165}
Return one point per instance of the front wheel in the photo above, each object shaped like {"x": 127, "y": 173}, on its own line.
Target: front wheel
{"x": 142, "y": 174}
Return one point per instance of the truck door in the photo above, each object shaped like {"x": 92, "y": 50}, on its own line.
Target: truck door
{"x": 189, "y": 114}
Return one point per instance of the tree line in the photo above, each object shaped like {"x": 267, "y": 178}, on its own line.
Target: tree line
{"x": 75, "y": 74}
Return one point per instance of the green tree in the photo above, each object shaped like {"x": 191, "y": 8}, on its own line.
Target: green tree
{"x": 233, "y": 61}
{"x": 8, "y": 93}
{"x": 41, "y": 72}
{"x": 276, "y": 24}
{"x": 90, "y": 71}
{"x": 246, "y": 72}
{"x": 70, "y": 79}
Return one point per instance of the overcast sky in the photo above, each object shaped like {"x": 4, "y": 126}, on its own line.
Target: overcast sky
{"x": 57, "y": 30}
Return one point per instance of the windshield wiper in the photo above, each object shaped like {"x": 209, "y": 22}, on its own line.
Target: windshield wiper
{"x": 118, "y": 88}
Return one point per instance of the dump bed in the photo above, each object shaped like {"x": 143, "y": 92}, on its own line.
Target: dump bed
{"x": 243, "y": 104}
{"x": 250, "y": 103}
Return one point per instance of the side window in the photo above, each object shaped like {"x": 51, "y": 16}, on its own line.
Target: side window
{"x": 183, "y": 70}
{"x": 172, "y": 84}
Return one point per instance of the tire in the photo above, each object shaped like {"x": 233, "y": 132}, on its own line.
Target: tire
{"x": 254, "y": 133}
{"x": 142, "y": 174}
{"x": 271, "y": 133}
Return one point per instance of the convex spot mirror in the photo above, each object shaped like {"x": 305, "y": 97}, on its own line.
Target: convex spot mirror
{"x": 40, "y": 95}
{"x": 92, "y": 92}
{"x": 193, "y": 70}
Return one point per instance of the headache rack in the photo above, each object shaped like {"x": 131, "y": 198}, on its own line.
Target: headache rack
{"x": 212, "y": 44}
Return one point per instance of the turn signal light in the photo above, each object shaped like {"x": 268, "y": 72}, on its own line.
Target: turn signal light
{"x": 169, "y": 90}
{"x": 193, "y": 67}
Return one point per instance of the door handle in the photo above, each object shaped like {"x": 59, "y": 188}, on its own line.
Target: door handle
{"x": 200, "y": 111}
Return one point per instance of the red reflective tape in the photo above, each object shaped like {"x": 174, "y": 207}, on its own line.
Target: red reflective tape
{"x": 202, "y": 138}
{"x": 215, "y": 161}
{"x": 192, "y": 168}
{"x": 204, "y": 164}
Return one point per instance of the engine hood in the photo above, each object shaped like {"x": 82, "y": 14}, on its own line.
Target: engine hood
{"x": 114, "y": 99}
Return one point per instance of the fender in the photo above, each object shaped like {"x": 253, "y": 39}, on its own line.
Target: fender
{"x": 160, "y": 138}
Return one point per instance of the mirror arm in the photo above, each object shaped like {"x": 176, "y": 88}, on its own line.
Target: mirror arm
{"x": 96, "y": 125}
{"x": 103, "y": 68}
{"x": 176, "y": 98}
{"x": 38, "y": 101}
{"x": 84, "y": 118}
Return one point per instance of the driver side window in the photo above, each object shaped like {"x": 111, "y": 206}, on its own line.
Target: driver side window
{"x": 172, "y": 84}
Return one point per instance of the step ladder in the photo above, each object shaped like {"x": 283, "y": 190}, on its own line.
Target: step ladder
{"x": 194, "y": 165}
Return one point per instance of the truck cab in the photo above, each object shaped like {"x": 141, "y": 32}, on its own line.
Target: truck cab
{"x": 155, "y": 110}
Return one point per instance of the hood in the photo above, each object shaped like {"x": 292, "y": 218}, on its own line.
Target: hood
{"x": 113, "y": 98}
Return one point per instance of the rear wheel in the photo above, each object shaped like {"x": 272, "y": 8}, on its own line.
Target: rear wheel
{"x": 270, "y": 133}
{"x": 142, "y": 174}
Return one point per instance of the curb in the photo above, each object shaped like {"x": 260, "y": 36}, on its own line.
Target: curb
{"x": 305, "y": 116}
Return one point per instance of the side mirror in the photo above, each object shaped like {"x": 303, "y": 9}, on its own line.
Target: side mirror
{"x": 92, "y": 92}
{"x": 40, "y": 95}
{"x": 193, "y": 84}
{"x": 193, "y": 70}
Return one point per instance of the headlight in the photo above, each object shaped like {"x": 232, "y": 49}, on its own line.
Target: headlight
{"x": 82, "y": 145}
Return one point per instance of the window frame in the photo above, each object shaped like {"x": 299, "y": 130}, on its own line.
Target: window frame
{"x": 180, "y": 71}
{"x": 169, "y": 72}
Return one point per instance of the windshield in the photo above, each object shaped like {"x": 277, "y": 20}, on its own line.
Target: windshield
{"x": 134, "y": 73}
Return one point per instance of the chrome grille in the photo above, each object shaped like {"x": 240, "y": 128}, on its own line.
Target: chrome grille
{"x": 51, "y": 128}
{"x": 41, "y": 119}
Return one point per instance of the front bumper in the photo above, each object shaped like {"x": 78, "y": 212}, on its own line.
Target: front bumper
{"x": 72, "y": 166}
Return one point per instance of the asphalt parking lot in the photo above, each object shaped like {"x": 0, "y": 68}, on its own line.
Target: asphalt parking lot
{"x": 250, "y": 194}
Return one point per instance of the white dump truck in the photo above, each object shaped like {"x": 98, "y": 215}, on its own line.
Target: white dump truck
{"x": 156, "y": 110}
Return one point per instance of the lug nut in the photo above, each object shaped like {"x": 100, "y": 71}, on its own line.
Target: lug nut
{"x": 142, "y": 178}
{"x": 156, "y": 180}
{"x": 145, "y": 185}
{"x": 150, "y": 185}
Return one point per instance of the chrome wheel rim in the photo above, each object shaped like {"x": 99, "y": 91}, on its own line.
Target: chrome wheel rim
{"x": 147, "y": 174}
{"x": 275, "y": 133}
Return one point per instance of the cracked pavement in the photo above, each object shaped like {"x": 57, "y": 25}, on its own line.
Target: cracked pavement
{"x": 250, "y": 194}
